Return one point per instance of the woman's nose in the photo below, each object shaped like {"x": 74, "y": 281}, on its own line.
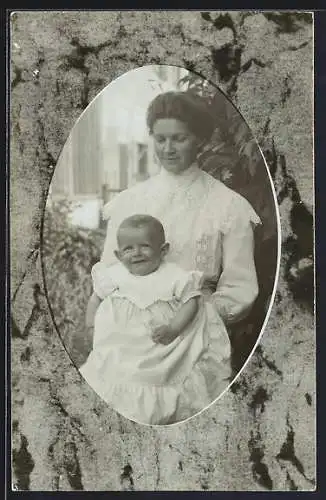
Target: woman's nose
{"x": 169, "y": 146}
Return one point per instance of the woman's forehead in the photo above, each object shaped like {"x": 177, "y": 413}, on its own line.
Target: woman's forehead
{"x": 170, "y": 126}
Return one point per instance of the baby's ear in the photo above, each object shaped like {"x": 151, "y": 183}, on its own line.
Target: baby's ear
{"x": 165, "y": 248}
{"x": 117, "y": 254}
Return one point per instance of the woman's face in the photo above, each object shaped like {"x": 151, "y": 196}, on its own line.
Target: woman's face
{"x": 175, "y": 145}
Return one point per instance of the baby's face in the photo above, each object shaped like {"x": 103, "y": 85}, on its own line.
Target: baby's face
{"x": 139, "y": 250}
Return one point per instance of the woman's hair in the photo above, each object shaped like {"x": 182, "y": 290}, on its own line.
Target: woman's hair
{"x": 189, "y": 108}
{"x": 140, "y": 220}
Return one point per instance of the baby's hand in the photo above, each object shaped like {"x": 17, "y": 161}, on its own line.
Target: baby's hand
{"x": 163, "y": 334}
{"x": 209, "y": 282}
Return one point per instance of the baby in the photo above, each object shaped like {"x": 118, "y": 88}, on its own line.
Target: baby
{"x": 141, "y": 249}
{"x": 151, "y": 326}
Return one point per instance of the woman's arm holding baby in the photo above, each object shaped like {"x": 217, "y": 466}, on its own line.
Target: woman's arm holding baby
{"x": 165, "y": 334}
{"x": 91, "y": 309}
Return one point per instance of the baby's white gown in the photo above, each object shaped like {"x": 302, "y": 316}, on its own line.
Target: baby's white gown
{"x": 147, "y": 382}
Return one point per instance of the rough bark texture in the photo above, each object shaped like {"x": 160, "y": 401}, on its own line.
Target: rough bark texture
{"x": 261, "y": 434}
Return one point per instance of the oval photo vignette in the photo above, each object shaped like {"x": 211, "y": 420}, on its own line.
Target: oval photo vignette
{"x": 147, "y": 139}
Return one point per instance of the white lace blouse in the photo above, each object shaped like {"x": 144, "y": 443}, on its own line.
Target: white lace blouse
{"x": 209, "y": 228}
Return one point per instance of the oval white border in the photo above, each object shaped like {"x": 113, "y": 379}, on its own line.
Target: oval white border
{"x": 279, "y": 248}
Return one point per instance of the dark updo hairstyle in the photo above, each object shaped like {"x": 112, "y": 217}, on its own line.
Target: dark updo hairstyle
{"x": 189, "y": 108}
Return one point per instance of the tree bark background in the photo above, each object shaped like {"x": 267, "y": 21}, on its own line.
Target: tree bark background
{"x": 261, "y": 434}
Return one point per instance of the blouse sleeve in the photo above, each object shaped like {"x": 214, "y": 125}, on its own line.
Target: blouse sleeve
{"x": 188, "y": 285}
{"x": 237, "y": 287}
{"x": 103, "y": 283}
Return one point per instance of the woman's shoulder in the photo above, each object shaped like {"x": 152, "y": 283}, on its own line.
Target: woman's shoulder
{"x": 218, "y": 188}
{"x": 215, "y": 186}
{"x": 235, "y": 204}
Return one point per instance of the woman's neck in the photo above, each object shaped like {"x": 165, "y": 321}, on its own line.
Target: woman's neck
{"x": 187, "y": 175}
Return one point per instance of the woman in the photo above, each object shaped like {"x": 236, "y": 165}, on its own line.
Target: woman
{"x": 209, "y": 227}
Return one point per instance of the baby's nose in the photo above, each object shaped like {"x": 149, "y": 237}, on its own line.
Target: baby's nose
{"x": 136, "y": 250}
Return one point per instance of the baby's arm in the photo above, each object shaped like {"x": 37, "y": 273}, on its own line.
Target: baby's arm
{"x": 165, "y": 334}
{"x": 184, "y": 315}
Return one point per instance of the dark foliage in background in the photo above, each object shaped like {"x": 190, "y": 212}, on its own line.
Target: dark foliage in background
{"x": 69, "y": 252}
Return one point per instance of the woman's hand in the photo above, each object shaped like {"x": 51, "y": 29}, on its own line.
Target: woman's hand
{"x": 164, "y": 334}
{"x": 89, "y": 332}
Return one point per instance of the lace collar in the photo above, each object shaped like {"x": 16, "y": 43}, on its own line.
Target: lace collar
{"x": 182, "y": 180}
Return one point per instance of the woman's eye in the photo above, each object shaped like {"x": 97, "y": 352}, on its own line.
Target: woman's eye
{"x": 177, "y": 139}
{"x": 159, "y": 139}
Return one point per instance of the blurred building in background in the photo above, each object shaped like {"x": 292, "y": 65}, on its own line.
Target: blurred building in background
{"x": 109, "y": 149}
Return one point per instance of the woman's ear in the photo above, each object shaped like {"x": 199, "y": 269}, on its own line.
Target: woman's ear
{"x": 165, "y": 248}
{"x": 117, "y": 254}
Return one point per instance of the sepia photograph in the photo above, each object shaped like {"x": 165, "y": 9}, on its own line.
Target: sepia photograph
{"x": 160, "y": 244}
{"x": 162, "y": 329}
